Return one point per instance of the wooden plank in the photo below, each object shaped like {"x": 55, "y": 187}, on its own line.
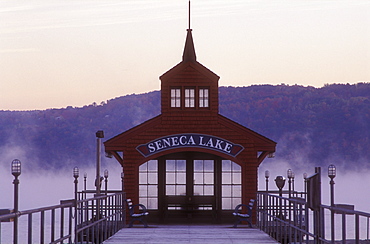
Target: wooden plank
{"x": 190, "y": 234}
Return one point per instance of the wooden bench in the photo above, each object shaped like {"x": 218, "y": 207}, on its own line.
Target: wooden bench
{"x": 240, "y": 216}
{"x": 140, "y": 215}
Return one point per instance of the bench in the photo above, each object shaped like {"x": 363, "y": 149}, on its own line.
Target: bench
{"x": 140, "y": 215}
{"x": 240, "y": 216}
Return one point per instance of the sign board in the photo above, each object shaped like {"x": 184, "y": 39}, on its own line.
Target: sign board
{"x": 190, "y": 140}
{"x": 314, "y": 191}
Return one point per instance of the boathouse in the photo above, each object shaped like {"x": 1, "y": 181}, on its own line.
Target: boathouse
{"x": 190, "y": 164}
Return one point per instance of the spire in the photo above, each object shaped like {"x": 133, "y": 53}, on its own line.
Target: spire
{"x": 189, "y": 50}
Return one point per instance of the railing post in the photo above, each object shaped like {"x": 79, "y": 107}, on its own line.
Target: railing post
{"x": 30, "y": 228}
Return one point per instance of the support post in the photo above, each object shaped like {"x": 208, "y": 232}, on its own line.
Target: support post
{"x": 99, "y": 134}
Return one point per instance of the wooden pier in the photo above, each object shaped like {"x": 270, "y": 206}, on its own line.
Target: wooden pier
{"x": 190, "y": 234}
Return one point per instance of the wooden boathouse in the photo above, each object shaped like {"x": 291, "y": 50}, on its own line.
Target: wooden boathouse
{"x": 190, "y": 164}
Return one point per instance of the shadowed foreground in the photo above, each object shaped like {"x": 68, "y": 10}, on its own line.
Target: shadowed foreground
{"x": 190, "y": 234}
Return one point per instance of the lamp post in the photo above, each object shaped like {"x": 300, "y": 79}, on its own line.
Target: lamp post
{"x": 76, "y": 173}
{"x": 16, "y": 171}
{"x": 280, "y": 182}
{"x": 99, "y": 135}
{"x": 85, "y": 177}
{"x": 106, "y": 181}
{"x": 290, "y": 176}
{"x": 267, "y": 175}
{"x": 332, "y": 172}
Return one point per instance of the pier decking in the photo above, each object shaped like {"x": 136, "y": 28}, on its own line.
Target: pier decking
{"x": 190, "y": 234}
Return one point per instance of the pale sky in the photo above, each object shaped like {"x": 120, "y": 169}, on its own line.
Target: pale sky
{"x": 59, "y": 53}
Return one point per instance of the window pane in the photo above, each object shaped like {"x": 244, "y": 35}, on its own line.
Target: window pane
{"x": 226, "y": 203}
{"x": 152, "y": 203}
{"x": 237, "y": 178}
{"x": 181, "y": 165}
{"x": 206, "y": 105}
{"x": 143, "y": 191}
{"x": 208, "y": 190}
{"x": 236, "y": 167}
{"x": 198, "y": 166}
{"x": 198, "y": 190}
{"x": 170, "y": 165}
{"x": 143, "y": 178}
{"x": 181, "y": 178}
{"x": 208, "y": 178}
{"x": 181, "y": 190}
{"x": 143, "y": 201}
{"x": 226, "y": 178}
{"x": 208, "y": 165}
{"x": 235, "y": 202}
{"x": 143, "y": 167}
{"x": 170, "y": 190}
{"x": 170, "y": 178}
{"x": 226, "y": 165}
{"x": 192, "y": 103}
{"x": 152, "y": 191}
{"x": 152, "y": 178}
{"x": 237, "y": 191}
{"x": 226, "y": 191}
{"x": 198, "y": 178}
{"x": 153, "y": 165}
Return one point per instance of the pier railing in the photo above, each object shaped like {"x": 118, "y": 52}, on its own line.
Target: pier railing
{"x": 99, "y": 217}
{"x": 290, "y": 220}
{"x": 87, "y": 220}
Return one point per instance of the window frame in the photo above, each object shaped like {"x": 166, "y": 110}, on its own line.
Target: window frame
{"x": 176, "y": 97}
{"x": 190, "y": 98}
{"x": 202, "y": 99}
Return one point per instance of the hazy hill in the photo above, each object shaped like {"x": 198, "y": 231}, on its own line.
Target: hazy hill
{"x": 311, "y": 125}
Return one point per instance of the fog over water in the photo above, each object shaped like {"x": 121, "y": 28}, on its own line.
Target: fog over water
{"x": 39, "y": 187}
{"x": 351, "y": 186}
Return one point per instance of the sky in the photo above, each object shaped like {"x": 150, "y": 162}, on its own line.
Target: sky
{"x": 55, "y": 53}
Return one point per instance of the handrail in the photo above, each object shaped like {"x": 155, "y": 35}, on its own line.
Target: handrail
{"x": 290, "y": 219}
{"x": 77, "y": 224}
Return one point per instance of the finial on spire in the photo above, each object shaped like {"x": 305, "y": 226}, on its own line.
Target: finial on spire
{"x": 189, "y": 51}
{"x": 189, "y": 15}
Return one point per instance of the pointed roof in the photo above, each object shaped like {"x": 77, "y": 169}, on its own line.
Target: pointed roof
{"x": 189, "y": 50}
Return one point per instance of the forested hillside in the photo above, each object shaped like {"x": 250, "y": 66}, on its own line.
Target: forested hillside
{"x": 311, "y": 125}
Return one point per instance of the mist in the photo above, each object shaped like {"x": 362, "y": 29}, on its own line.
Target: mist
{"x": 43, "y": 187}
{"x": 351, "y": 186}
{"x": 47, "y": 187}
{"x": 39, "y": 188}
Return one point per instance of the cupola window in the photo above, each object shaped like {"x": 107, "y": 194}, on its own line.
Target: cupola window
{"x": 189, "y": 97}
{"x": 175, "y": 98}
{"x": 203, "y": 97}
